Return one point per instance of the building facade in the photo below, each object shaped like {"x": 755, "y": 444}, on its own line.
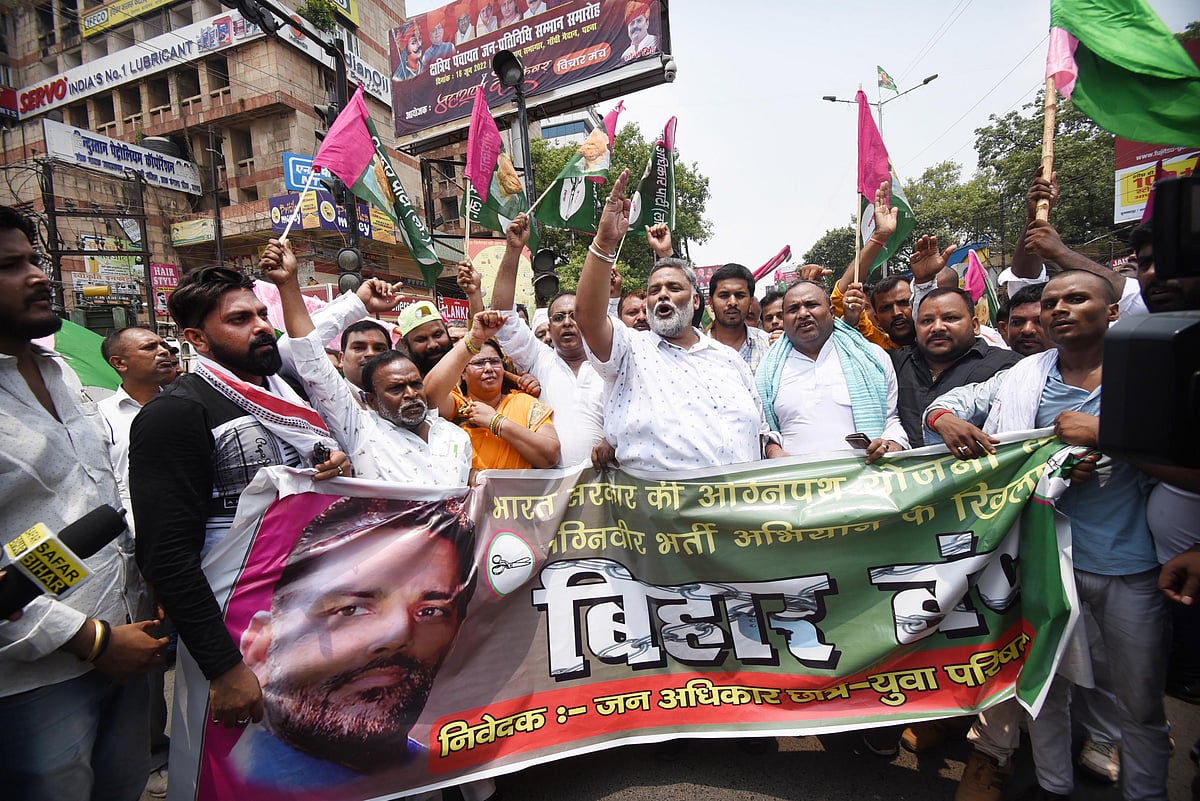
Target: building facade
{"x": 150, "y": 137}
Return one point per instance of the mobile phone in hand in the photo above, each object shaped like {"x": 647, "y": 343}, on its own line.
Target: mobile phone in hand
{"x": 859, "y": 441}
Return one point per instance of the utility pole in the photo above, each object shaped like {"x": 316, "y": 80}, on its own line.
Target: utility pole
{"x": 218, "y": 237}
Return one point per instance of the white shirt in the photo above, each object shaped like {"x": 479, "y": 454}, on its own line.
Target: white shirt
{"x": 672, "y": 408}
{"x": 813, "y": 403}
{"x": 377, "y": 448}
{"x": 119, "y": 410}
{"x": 54, "y": 472}
{"x": 576, "y": 398}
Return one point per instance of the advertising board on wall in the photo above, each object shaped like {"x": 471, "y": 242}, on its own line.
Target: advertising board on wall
{"x": 86, "y": 149}
{"x": 168, "y": 51}
{"x": 118, "y": 12}
{"x": 438, "y": 58}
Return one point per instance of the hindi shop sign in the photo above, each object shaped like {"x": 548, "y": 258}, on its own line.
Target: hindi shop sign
{"x": 86, "y": 149}
{"x": 434, "y": 83}
{"x": 567, "y": 611}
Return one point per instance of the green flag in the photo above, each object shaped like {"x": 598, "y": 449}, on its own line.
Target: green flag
{"x": 885, "y": 80}
{"x": 905, "y": 223}
{"x": 506, "y": 199}
{"x": 80, "y": 348}
{"x": 654, "y": 200}
{"x": 1131, "y": 75}
{"x": 571, "y": 201}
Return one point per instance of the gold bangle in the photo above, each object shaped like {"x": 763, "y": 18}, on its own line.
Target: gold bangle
{"x": 97, "y": 643}
{"x": 470, "y": 348}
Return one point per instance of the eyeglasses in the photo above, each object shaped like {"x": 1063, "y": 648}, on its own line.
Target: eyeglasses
{"x": 558, "y": 317}
{"x": 479, "y": 364}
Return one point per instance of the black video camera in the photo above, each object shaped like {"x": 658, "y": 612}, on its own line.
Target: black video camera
{"x": 1150, "y": 401}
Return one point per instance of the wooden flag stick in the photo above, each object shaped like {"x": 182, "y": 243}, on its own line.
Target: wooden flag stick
{"x": 619, "y": 246}
{"x": 1050, "y": 111}
{"x": 299, "y": 202}
{"x": 541, "y": 197}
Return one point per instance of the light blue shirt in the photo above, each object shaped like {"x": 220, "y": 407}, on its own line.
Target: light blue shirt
{"x": 1109, "y": 534}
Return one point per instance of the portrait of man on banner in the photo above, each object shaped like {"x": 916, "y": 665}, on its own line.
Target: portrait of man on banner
{"x": 363, "y": 610}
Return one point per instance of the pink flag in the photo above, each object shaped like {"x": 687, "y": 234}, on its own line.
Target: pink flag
{"x": 872, "y": 155}
{"x": 974, "y": 280}
{"x": 610, "y": 122}
{"x": 1159, "y": 173}
{"x": 483, "y": 145}
{"x": 347, "y": 148}
{"x": 1060, "y": 61}
{"x": 776, "y": 260}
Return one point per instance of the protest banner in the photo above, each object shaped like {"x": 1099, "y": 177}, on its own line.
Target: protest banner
{"x": 407, "y": 639}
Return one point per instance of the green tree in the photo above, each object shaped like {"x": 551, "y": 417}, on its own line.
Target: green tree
{"x": 835, "y": 248}
{"x": 630, "y": 151}
{"x": 948, "y": 208}
{"x": 320, "y": 13}
{"x": 1009, "y": 151}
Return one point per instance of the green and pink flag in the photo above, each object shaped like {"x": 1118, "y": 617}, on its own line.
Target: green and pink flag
{"x": 353, "y": 151}
{"x": 571, "y": 201}
{"x": 874, "y": 167}
{"x": 1123, "y": 68}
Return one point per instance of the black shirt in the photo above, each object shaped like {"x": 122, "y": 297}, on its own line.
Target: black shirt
{"x": 191, "y": 453}
{"x": 917, "y": 388}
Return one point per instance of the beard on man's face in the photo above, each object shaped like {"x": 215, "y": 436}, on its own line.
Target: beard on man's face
{"x": 257, "y": 359}
{"x": 364, "y": 729}
{"x": 427, "y": 360}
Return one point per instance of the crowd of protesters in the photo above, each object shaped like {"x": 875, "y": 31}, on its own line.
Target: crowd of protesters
{"x": 619, "y": 377}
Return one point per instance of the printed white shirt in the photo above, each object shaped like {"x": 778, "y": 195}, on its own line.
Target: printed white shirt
{"x": 813, "y": 403}
{"x": 377, "y": 448}
{"x": 54, "y": 472}
{"x": 576, "y": 398}
{"x": 673, "y": 408}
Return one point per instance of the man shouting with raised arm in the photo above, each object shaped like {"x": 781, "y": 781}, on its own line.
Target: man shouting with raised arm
{"x": 677, "y": 400}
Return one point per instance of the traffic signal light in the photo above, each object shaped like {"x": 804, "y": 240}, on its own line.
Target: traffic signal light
{"x": 255, "y": 14}
{"x": 327, "y": 114}
{"x": 545, "y": 280}
{"x": 349, "y": 264}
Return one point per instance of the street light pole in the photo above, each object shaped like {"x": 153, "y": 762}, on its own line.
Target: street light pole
{"x": 880, "y": 104}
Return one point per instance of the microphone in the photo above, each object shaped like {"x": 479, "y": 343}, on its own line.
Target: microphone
{"x": 54, "y": 564}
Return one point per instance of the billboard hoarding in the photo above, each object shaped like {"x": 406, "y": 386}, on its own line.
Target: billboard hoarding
{"x": 1135, "y": 165}
{"x": 575, "y": 45}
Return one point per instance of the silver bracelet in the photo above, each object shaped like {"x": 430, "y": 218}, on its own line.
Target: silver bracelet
{"x": 610, "y": 259}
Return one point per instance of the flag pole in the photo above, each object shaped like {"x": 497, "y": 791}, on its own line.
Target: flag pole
{"x": 299, "y": 202}
{"x": 1050, "y": 112}
{"x": 467, "y": 221}
{"x": 858, "y": 228}
{"x": 620, "y": 245}
{"x": 541, "y": 197}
